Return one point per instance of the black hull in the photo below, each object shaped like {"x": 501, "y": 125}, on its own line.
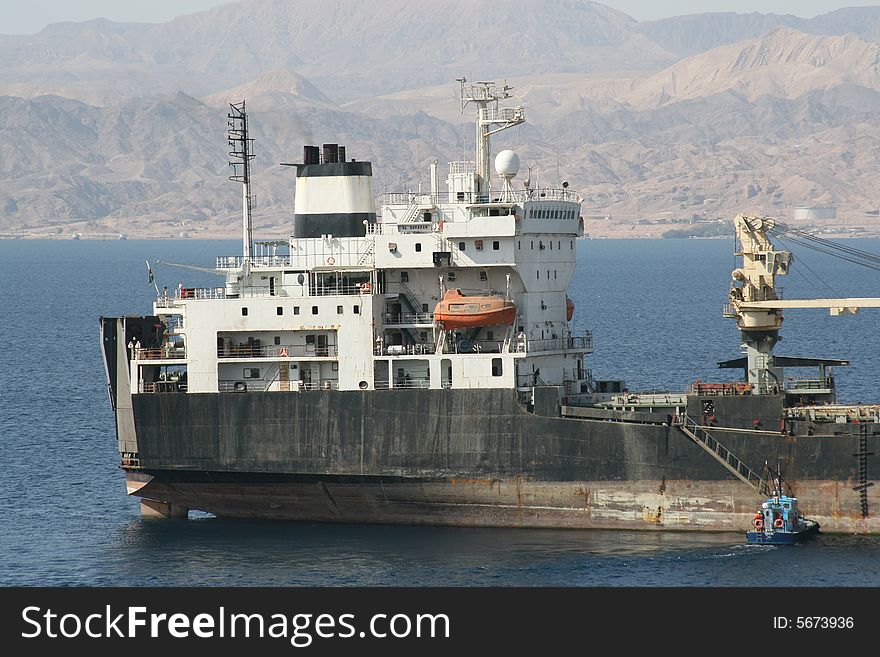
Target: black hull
{"x": 478, "y": 458}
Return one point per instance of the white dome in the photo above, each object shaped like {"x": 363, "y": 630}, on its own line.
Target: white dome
{"x": 507, "y": 164}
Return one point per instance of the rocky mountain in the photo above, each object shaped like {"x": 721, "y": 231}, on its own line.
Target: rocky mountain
{"x": 349, "y": 49}
{"x": 121, "y": 127}
{"x": 695, "y": 33}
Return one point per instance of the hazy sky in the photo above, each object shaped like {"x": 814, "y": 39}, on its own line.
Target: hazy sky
{"x": 30, "y": 16}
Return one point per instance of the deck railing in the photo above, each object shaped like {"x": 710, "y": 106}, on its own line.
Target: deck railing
{"x": 276, "y": 351}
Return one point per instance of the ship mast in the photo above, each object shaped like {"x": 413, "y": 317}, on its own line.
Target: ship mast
{"x": 489, "y": 121}
{"x": 240, "y": 156}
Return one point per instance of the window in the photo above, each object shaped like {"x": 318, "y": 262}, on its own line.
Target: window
{"x": 244, "y": 312}
{"x": 461, "y": 246}
{"x": 496, "y": 245}
{"x": 533, "y": 244}
{"x": 310, "y": 340}
{"x": 554, "y": 273}
{"x": 450, "y": 276}
{"x": 356, "y": 310}
{"x": 558, "y": 244}
{"x": 571, "y": 244}
{"x": 551, "y": 245}
{"x": 496, "y": 367}
{"x": 338, "y": 310}
{"x": 296, "y": 310}
{"x": 519, "y": 244}
{"x": 279, "y": 310}
{"x": 252, "y": 372}
{"x": 424, "y": 307}
{"x": 548, "y": 274}
{"x": 404, "y": 277}
{"x": 484, "y": 276}
{"x": 277, "y": 340}
{"x": 490, "y": 335}
{"x": 418, "y": 247}
{"x": 478, "y": 244}
{"x": 314, "y": 310}
{"x": 537, "y": 274}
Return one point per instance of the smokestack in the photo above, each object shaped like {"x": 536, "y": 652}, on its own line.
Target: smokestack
{"x": 311, "y": 155}
{"x": 331, "y": 154}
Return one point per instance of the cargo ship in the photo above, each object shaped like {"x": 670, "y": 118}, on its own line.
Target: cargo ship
{"x": 418, "y": 365}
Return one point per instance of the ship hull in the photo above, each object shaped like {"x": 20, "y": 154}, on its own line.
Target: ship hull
{"x": 478, "y": 458}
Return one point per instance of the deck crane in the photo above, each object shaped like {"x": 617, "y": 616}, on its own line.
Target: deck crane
{"x": 753, "y": 299}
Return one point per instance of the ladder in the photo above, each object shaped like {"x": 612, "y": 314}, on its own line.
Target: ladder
{"x": 367, "y": 256}
{"x": 698, "y": 434}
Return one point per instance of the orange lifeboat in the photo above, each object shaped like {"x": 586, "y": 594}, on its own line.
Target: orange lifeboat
{"x": 457, "y": 311}
{"x": 569, "y": 309}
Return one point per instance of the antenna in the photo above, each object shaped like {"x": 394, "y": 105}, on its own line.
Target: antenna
{"x": 240, "y": 155}
{"x": 489, "y": 120}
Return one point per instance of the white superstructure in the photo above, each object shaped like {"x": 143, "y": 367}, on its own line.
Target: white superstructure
{"x": 348, "y": 302}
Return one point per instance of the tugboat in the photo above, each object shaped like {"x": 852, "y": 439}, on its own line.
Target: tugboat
{"x": 779, "y": 523}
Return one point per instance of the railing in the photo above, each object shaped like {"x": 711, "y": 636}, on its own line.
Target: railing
{"x": 161, "y": 386}
{"x": 236, "y": 262}
{"x": 409, "y": 318}
{"x": 407, "y": 350}
{"x": 495, "y": 196}
{"x": 261, "y": 385}
{"x": 793, "y": 383}
{"x": 318, "y": 290}
{"x": 164, "y": 353}
{"x": 174, "y": 323}
{"x": 720, "y": 389}
{"x": 417, "y": 382}
{"x": 479, "y": 347}
{"x": 200, "y": 293}
{"x": 276, "y": 351}
{"x": 584, "y": 343}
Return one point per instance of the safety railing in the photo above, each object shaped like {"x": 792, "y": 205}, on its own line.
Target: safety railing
{"x": 161, "y": 386}
{"x": 168, "y": 352}
{"x": 580, "y": 343}
{"x": 276, "y": 351}
{"x": 409, "y": 318}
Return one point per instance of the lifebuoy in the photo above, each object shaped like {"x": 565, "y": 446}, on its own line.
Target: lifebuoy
{"x": 331, "y": 260}
{"x": 759, "y": 524}
{"x": 778, "y": 523}
{"x": 365, "y": 288}
{"x": 283, "y": 352}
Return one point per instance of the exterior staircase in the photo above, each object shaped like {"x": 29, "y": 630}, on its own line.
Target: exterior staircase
{"x": 733, "y": 464}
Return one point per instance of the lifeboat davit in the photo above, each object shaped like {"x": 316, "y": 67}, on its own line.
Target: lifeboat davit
{"x": 569, "y": 309}
{"x": 457, "y": 311}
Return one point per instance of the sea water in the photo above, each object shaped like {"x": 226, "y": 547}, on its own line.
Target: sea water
{"x": 654, "y": 307}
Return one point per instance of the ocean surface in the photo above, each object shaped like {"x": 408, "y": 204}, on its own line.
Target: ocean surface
{"x": 655, "y": 311}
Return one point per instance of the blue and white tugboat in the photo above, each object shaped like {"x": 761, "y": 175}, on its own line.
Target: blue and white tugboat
{"x": 778, "y": 521}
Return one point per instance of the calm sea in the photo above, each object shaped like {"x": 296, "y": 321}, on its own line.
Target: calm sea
{"x": 654, "y": 308}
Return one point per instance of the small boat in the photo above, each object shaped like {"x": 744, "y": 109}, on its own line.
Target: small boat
{"x": 457, "y": 311}
{"x": 569, "y": 309}
{"x": 779, "y": 523}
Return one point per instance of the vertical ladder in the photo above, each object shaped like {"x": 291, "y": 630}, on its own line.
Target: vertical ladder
{"x": 862, "y": 457}
{"x": 284, "y": 376}
{"x": 733, "y": 464}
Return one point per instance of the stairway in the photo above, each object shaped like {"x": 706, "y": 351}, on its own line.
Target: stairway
{"x": 862, "y": 456}
{"x": 701, "y": 436}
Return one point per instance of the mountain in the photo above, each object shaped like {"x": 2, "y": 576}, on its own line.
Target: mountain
{"x": 121, "y": 127}
{"x": 695, "y": 33}
{"x": 349, "y": 49}
{"x": 275, "y": 90}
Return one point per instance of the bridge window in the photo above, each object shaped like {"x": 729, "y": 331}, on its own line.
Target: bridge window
{"x": 252, "y": 373}
{"x": 496, "y": 367}
{"x": 338, "y": 310}
{"x": 296, "y": 310}
{"x": 496, "y": 245}
{"x": 244, "y": 312}
{"x": 314, "y": 310}
{"x": 356, "y": 310}
{"x": 418, "y": 247}
{"x": 279, "y": 310}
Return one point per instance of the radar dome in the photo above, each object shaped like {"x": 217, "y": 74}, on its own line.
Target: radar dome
{"x": 507, "y": 164}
